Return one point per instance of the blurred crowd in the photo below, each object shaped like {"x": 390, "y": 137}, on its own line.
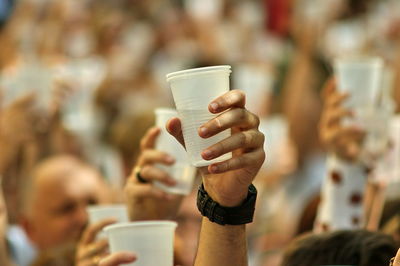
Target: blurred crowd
{"x": 79, "y": 81}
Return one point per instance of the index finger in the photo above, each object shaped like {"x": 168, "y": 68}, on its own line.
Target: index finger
{"x": 149, "y": 139}
{"x": 329, "y": 88}
{"x": 90, "y": 233}
{"x": 235, "y": 98}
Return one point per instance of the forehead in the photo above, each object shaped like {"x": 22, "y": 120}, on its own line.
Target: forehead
{"x": 71, "y": 184}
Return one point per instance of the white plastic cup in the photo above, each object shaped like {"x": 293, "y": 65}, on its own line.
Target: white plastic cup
{"x": 98, "y": 213}
{"x": 181, "y": 171}
{"x": 151, "y": 241}
{"x": 376, "y": 124}
{"x": 361, "y": 78}
{"x": 388, "y": 168}
{"x": 193, "y": 90}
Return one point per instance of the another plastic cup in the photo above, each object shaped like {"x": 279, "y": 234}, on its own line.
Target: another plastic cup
{"x": 100, "y": 212}
{"x": 388, "y": 168}
{"x": 361, "y": 78}
{"x": 181, "y": 171}
{"x": 151, "y": 241}
{"x": 193, "y": 90}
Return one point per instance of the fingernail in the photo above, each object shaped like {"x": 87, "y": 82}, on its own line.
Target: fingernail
{"x": 171, "y": 181}
{"x": 203, "y": 131}
{"x": 207, "y": 154}
{"x": 169, "y": 159}
{"x": 214, "y": 106}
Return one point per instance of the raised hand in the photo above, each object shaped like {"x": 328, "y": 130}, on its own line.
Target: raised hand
{"x": 145, "y": 201}
{"x": 343, "y": 141}
{"x": 227, "y": 182}
{"x": 90, "y": 250}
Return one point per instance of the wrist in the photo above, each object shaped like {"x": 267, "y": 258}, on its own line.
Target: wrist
{"x": 228, "y": 201}
{"x": 240, "y": 211}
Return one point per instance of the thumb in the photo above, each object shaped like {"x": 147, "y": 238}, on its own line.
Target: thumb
{"x": 174, "y": 127}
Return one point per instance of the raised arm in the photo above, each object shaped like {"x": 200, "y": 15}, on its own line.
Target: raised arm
{"x": 227, "y": 184}
{"x": 343, "y": 188}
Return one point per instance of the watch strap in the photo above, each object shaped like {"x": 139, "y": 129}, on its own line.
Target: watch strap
{"x": 242, "y": 214}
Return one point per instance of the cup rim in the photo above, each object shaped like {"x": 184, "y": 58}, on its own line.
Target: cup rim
{"x": 139, "y": 224}
{"x": 105, "y": 207}
{"x": 198, "y": 71}
{"x": 358, "y": 59}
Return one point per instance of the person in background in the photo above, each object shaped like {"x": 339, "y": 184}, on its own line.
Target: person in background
{"x": 228, "y": 183}
{"x": 54, "y": 202}
{"x": 343, "y": 192}
{"x": 357, "y": 247}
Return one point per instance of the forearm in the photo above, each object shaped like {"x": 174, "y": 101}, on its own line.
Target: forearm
{"x": 221, "y": 245}
{"x": 298, "y": 80}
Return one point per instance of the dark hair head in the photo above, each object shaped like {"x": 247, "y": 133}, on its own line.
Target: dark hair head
{"x": 359, "y": 247}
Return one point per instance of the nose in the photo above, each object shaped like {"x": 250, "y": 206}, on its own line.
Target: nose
{"x": 81, "y": 216}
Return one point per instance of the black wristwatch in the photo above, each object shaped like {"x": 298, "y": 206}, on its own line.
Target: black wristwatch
{"x": 216, "y": 213}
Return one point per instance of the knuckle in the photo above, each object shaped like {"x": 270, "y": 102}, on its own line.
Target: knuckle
{"x": 261, "y": 137}
{"x": 242, "y": 114}
{"x": 231, "y": 98}
{"x": 256, "y": 120}
{"x": 242, "y": 139}
{"x": 250, "y": 138}
{"x": 263, "y": 155}
{"x": 241, "y": 94}
{"x": 218, "y": 122}
{"x": 241, "y": 161}
{"x": 221, "y": 147}
{"x": 145, "y": 171}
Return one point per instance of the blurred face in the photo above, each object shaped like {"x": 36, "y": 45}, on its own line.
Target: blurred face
{"x": 59, "y": 204}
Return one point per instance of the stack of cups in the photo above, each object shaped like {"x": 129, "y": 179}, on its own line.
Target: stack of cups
{"x": 193, "y": 90}
{"x": 102, "y": 212}
{"x": 181, "y": 171}
{"x": 151, "y": 241}
{"x": 361, "y": 78}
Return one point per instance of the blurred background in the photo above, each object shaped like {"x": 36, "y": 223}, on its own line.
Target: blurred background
{"x": 83, "y": 78}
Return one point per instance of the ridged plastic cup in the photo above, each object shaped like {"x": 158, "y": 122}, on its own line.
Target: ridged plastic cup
{"x": 151, "y": 241}
{"x": 182, "y": 171}
{"x": 100, "y": 212}
{"x": 193, "y": 90}
{"x": 361, "y": 77}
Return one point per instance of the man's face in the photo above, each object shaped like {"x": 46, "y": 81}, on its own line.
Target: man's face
{"x": 59, "y": 207}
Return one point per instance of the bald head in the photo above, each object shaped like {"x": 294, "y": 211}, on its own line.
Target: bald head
{"x": 55, "y": 200}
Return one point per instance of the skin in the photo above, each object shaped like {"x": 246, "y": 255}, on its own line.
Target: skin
{"x": 226, "y": 182}
{"x": 71, "y": 188}
{"x": 157, "y": 203}
{"x": 397, "y": 259}
{"x": 90, "y": 250}
{"x": 4, "y": 254}
{"x": 345, "y": 142}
